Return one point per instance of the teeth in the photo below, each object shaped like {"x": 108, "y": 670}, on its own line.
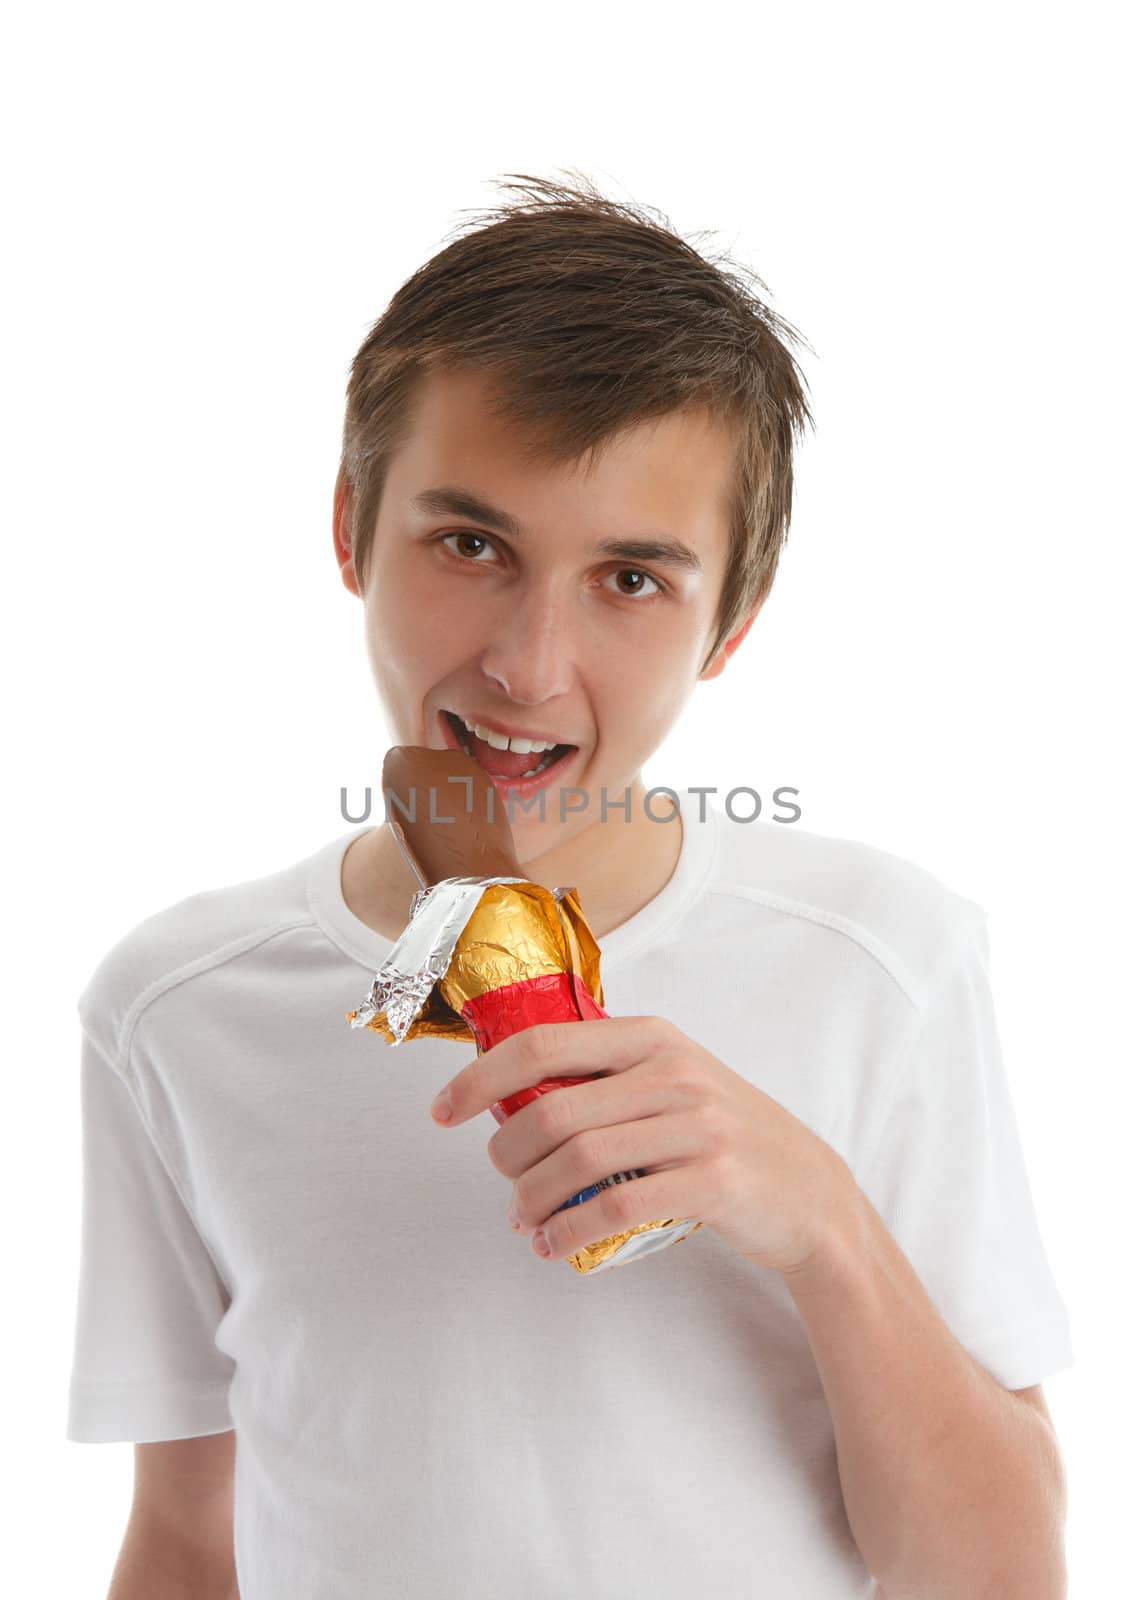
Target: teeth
{"x": 500, "y": 741}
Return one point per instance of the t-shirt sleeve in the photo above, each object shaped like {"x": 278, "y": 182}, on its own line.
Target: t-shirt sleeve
{"x": 146, "y": 1365}
{"x": 946, "y": 1173}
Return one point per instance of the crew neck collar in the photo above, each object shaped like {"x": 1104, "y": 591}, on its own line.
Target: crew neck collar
{"x": 370, "y": 948}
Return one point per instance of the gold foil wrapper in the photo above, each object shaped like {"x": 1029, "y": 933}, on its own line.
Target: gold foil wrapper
{"x": 467, "y": 937}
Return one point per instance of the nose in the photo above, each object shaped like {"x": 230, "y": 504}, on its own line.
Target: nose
{"x": 530, "y": 654}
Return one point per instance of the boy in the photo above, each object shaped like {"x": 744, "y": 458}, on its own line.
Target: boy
{"x": 566, "y": 479}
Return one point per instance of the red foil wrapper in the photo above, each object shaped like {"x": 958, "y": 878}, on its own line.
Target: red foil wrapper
{"x": 516, "y": 924}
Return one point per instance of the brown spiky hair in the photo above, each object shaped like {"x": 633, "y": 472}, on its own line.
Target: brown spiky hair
{"x": 590, "y": 315}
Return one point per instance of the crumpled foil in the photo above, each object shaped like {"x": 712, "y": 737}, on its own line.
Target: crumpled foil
{"x": 513, "y": 929}
{"x": 510, "y": 940}
{"x": 438, "y": 916}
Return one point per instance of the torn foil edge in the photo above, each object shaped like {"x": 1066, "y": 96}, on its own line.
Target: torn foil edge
{"x": 422, "y": 955}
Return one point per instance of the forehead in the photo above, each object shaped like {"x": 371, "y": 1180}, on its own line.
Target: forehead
{"x": 674, "y": 471}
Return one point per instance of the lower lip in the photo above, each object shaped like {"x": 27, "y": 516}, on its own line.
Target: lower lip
{"x": 520, "y": 786}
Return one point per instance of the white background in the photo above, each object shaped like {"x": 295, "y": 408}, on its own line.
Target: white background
{"x": 208, "y": 208}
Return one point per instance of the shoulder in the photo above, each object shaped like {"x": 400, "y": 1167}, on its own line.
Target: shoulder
{"x": 181, "y": 942}
{"x": 897, "y": 912}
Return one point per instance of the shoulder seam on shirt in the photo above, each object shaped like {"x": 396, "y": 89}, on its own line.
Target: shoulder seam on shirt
{"x": 874, "y": 948}
{"x": 193, "y": 969}
{"x": 114, "y": 1066}
{"x": 885, "y": 1098}
{"x": 181, "y": 1189}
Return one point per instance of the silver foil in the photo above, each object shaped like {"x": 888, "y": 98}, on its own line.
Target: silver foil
{"x": 438, "y": 916}
{"x": 422, "y": 955}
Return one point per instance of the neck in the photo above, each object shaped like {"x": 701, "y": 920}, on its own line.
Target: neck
{"x": 617, "y": 866}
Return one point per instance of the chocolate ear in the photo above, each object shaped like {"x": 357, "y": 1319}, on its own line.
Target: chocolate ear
{"x": 447, "y": 829}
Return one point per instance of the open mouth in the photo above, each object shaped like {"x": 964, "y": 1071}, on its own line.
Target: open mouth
{"x": 508, "y": 766}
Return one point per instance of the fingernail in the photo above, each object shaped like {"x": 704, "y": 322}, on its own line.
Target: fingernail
{"x": 441, "y": 1108}
{"x": 540, "y": 1243}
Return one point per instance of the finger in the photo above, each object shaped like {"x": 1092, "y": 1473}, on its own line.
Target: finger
{"x": 551, "y": 1050}
{"x": 602, "y": 1156}
{"x": 616, "y": 1209}
{"x": 556, "y": 1117}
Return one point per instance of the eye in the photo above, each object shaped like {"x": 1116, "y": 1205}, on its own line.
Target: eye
{"x": 485, "y": 541}
{"x": 467, "y": 533}
{"x": 631, "y": 594}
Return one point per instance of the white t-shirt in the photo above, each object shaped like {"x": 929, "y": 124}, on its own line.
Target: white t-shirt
{"x": 277, "y": 1238}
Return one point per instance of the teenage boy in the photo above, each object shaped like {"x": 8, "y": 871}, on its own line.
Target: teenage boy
{"x": 566, "y": 480}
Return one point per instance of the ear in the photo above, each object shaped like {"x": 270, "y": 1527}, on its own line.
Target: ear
{"x": 343, "y": 522}
{"x": 731, "y": 645}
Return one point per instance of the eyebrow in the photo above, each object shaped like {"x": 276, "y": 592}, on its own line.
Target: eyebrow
{"x": 456, "y": 502}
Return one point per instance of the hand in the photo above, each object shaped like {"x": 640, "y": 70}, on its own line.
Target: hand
{"x": 714, "y": 1147}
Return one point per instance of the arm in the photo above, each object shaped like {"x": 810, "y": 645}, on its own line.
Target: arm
{"x": 954, "y": 1487}
{"x": 152, "y": 1567}
{"x": 178, "y": 1542}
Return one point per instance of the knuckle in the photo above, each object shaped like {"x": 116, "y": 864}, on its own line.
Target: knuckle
{"x": 656, "y": 1032}
{"x": 697, "y": 1091}
{"x": 712, "y": 1126}
{"x": 554, "y": 1116}
{"x": 541, "y": 1041}
{"x": 621, "y": 1203}
{"x": 723, "y": 1168}
{"x": 592, "y": 1153}
{"x": 497, "y": 1155}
